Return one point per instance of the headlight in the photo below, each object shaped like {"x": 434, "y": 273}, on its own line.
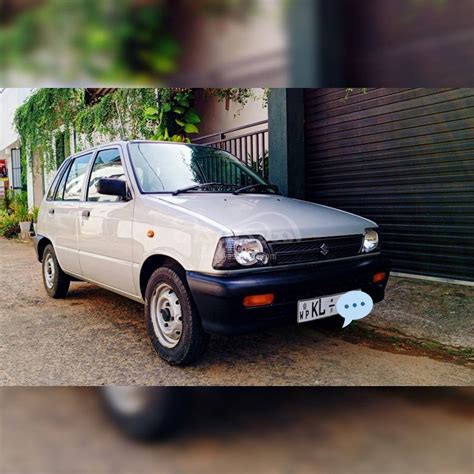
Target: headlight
{"x": 236, "y": 252}
{"x": 371, "y": 241}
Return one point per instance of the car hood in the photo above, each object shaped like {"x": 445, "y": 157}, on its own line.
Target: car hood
{"x": 271, "y": 216}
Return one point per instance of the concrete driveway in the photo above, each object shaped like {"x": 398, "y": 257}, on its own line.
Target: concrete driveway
{"x": 57, "y": 430}
{"x": 95, "y": 337}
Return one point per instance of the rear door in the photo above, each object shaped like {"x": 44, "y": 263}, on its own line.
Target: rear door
{"x": 105, "y": 227}
{"x": 62, "y": 218}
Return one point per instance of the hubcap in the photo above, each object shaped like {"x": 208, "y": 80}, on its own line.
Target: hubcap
{"x": 49, "y": 271}
{"x": 165, "y": 310}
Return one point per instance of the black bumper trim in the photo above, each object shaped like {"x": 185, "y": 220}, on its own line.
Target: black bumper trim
{"x": 36, "y": 240}
{"x": 219, "y": 298}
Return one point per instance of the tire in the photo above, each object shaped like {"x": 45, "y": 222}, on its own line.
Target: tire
{"x": 183, "y": 341}
{"x": 145, "y": 413}
{"x": 57, "y": 285}
{"x": 333, "y": 323}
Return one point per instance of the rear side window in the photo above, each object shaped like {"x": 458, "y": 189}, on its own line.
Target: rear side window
{"x": 54, "y": 184}
{"x": 60, "y": 190}
{"x": 107, "y": 164}
{"x": 75, "y": 178}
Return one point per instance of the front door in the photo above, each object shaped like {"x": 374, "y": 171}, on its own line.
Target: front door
{"x": 105, "y": 228}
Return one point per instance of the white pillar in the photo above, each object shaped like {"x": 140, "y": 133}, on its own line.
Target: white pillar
{"x": 30, "y": 184}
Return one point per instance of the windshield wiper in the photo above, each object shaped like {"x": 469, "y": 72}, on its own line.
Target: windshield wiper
{"x": 197, "y": 186}
{"x": 259, "y": 185}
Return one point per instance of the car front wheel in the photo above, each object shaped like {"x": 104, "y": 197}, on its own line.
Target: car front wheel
{"x": 56, "y": 282}
{"x": 172, "y": 319}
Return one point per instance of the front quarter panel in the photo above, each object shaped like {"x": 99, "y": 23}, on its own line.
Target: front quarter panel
{"x": 182, "y": 235}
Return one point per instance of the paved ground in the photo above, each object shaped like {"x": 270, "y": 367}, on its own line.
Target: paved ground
{"x": 95, "y": 337}
{"x": 58, "y": 430}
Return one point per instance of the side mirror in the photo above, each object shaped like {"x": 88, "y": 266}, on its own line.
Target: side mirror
{"x": 112, "y": 187}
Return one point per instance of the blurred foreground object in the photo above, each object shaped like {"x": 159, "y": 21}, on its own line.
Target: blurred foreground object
{"x": 356, "y": 430}
{"x": 145, "y": 413}
{"x": 135, "y": 41}
{"x": 222, "y": 43}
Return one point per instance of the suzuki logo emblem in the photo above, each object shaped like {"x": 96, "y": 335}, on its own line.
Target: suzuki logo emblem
{"x": 323, "y": 248}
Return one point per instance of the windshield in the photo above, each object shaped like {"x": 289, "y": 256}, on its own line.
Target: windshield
{"x": 163, "y": 167}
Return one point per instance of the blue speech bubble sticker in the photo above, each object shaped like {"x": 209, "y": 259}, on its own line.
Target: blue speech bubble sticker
{"x": 354, "y": 305}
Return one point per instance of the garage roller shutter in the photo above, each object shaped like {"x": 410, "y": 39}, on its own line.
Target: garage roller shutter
{"x": 405, "y": 159}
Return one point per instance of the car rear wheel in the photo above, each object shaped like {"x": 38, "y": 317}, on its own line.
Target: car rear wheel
{"x": 172, "y": 319}
{"x": 145, "y": 413}
{"x": 56, "y": 282}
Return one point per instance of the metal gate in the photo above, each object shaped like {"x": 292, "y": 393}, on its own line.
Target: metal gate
{"x": 405, "y": 159}
{"x": 249, "y": 143}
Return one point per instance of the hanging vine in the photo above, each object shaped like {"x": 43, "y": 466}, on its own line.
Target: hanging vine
{"x": 46, "y": 111}
{"x": 165, "y": 114}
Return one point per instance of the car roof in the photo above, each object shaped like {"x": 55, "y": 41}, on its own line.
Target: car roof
{"x": 125, "y": 142}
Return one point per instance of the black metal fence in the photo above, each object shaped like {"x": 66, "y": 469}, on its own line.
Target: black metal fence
{"x": 249, "y": 143}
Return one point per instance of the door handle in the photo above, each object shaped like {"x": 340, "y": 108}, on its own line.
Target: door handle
{"x": 51, "y": 211}
{"x": 86, "y": 214}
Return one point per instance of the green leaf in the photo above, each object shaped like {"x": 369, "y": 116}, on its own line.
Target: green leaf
{"x": 178, "y": 110}
{"x": 151, "y": 113}
{"x": 183, "y": 102}
{"x": 191, "y": 128}
{"x": 191, "y": 116}
{"x": 166, "y": 107}
{"x": 180, "y": 122}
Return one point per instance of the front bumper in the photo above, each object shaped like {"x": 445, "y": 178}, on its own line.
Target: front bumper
{"x": 219, "y": 298}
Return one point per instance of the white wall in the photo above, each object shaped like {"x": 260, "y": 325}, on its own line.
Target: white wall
{"x": 10, "y": 99}
{"x": 216, "y": 118}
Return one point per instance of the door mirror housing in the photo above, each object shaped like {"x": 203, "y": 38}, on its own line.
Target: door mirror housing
{"x": 112, "y": 187}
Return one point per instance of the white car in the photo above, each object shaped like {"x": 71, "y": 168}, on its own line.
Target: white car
{"x": 202, "y": 240}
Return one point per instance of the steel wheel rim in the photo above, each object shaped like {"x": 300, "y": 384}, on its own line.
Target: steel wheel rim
{"x": 166, "y": 317}
{"x": 49, "y": 271}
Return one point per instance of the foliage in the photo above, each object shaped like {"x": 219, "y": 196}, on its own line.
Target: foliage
{"x": 104, "y": 40}
{"x": 116, "y": 115}
{"x": 19, "y": 207}
{"x": 165, "y": 114}
{"x": 7, "y": 201}
{"x": 34, "y": 214}
{"x": 15, "y": 210}
{"x": 41, "y": 115}
{"x": 173, "y": 118}
{"x": 9, "y": 225}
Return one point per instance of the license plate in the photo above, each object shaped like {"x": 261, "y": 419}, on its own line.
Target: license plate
{"x": 317, "y": 308}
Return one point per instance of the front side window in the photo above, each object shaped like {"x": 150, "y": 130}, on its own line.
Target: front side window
{"x": 75, "y": 178}
{"x": 107, "y": 164}
{"x": 162, "y": 167}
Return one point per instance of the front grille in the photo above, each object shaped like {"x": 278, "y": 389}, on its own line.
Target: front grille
{"x": 287, "y": 252}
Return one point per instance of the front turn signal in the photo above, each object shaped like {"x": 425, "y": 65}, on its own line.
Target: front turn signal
{"x": 378, "y": 277}
{"x": 258, "y": 300}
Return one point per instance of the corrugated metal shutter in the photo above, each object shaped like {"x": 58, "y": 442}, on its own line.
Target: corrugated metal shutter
{"x": 405, "y": 159}
{"x": 408, "y": 43}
